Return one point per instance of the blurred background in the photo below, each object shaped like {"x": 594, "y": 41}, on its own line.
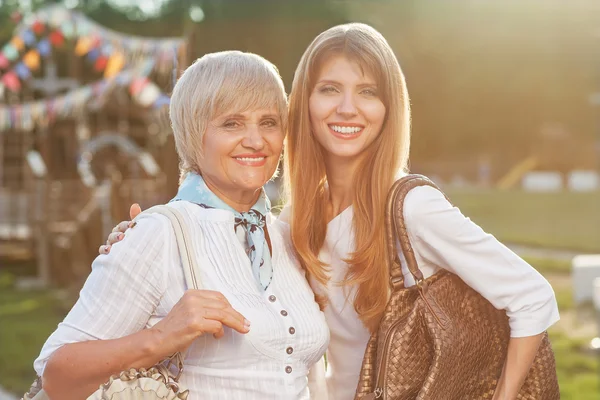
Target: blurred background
{"x": 506, "y": 117}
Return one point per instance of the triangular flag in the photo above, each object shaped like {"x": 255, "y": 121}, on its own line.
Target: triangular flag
{"x": 83, "y": 46}
{"x": 4, "y": 63}
{"x": 100, "y": 64}
{"x": 93, "y": 54}
{"x": 18, "y": 43}
{"x": 38, "y": 27}
{"x": 114, "y": 65}
{"x": 149, "y": 94}
{"x": 137, "y": 85}
{"x": 10, "y": 52}
{"x": 56, "y": 38}
{"x": 67, "y": 29}
{"x": 28, "y": 37}
{"x": 32, "y": 59}
{"x": 44, "y": 47}
{"x": 22, "y": 70}
{"x": 11, "y": 81}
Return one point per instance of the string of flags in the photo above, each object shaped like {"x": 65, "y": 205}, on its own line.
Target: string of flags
{"x": 109, "y": 51}
{"x": 40, "y": 113}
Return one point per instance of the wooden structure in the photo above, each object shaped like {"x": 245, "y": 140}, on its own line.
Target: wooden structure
{"x": 65, "y": 182}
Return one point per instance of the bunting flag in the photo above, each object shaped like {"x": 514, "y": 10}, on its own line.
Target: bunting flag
{"x": 27, "y": 116}
{"x": 148, "y": 95}
{"x": 115, "y": 64}
{"x": 38, "y": 27}
{"x": 11, "y": 81}
{"x": 10, "y": 52}
{"x": 22, "y": 71}
{"x": 57, "y": 39}
{"x": 44, "y": 48}
{"x": 28, "y": 37}
{"x": 17, "y": 43}
{"x": 100, "y": 63}
{"x": 32, "y": 59}
{"x": 109, "y": 52}
{"x": 93, "y": 54}
{"x": 4, "y": 63}
{"x": 84, "y": 45}
{"x": 124, "y": 61}
{"x": 71, "y": 23}
{"x": 67, "y": 29}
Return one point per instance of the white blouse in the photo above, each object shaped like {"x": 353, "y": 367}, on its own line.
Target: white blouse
{"x": 141, "y": 279}
{"x": 441, "y": 236}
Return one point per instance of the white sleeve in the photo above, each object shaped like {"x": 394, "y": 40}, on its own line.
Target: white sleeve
{"x": 443, "y": 236}
{"x": 122, "y": 291}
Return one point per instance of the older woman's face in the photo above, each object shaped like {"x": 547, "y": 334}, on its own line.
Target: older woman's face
{"x": 242, "y": 150}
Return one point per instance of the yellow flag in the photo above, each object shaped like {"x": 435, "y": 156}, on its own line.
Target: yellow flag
{"x": 18, "y": 43}
{"x": 83, "y": 46}
{"x": 32, "y": 59}
{"x": 114, "y": 65}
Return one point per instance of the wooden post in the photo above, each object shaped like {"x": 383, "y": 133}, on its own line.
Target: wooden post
{"x": 39, "y": 171}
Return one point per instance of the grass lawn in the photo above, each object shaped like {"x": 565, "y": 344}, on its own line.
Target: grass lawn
{"x": 556, "y": 220}
{"x": 26, "y": 321}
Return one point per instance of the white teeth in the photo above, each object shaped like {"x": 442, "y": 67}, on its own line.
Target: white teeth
{"x": 250, "y": 159}
{"x": 347, "y": 130}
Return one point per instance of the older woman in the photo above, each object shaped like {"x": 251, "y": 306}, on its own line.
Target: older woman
{"x": 256, "y": 330}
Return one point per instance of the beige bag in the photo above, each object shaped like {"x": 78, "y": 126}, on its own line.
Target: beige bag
{"x": 158, "y": 382}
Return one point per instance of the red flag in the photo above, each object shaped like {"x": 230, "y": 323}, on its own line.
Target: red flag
{"x": 38, "y": 27}
{"x": 56, "y": 38}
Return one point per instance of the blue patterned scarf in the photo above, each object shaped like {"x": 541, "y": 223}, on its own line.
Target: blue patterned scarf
{"x": 194, "y": 189}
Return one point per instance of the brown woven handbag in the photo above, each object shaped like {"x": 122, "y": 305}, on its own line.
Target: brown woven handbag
{"x": 440, "y": 339}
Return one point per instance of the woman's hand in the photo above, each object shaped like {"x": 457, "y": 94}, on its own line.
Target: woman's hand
{"x": 197, "y": 313}
{"x": 117, "y": 233}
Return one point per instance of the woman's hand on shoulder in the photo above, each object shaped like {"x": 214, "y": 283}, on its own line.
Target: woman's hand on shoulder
{"x": 198, "y": 312}
{"x": 118, "y": 231}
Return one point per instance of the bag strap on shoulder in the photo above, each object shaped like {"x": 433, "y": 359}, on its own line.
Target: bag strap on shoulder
{"x": 184, "y": 243}
{"x": 396, "y": 229}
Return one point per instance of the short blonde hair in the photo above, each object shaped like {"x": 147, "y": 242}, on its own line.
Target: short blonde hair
{"x": 227, "y": 81}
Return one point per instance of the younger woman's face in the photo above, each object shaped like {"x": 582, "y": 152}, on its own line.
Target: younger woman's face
{"x": 346, "y": 110}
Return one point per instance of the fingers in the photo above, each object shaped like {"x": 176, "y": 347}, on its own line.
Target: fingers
{"x": 220, "y": 333}
{"x": 121, "y": 226}
{"x": 104, "y": 249}
{"x": 228, "y": 317}
{"x": 215, "y": 306}
{"x": 114, "y": 238}
{"x": 134, "y": 210}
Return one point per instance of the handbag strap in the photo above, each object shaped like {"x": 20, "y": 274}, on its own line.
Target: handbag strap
{"x": 184, "y": 243}
{"x": 396, "y": 230}
{"x": 190, "y": 270}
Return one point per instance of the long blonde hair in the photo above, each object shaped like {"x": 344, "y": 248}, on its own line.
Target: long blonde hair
{"x": 383, "y": 160}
